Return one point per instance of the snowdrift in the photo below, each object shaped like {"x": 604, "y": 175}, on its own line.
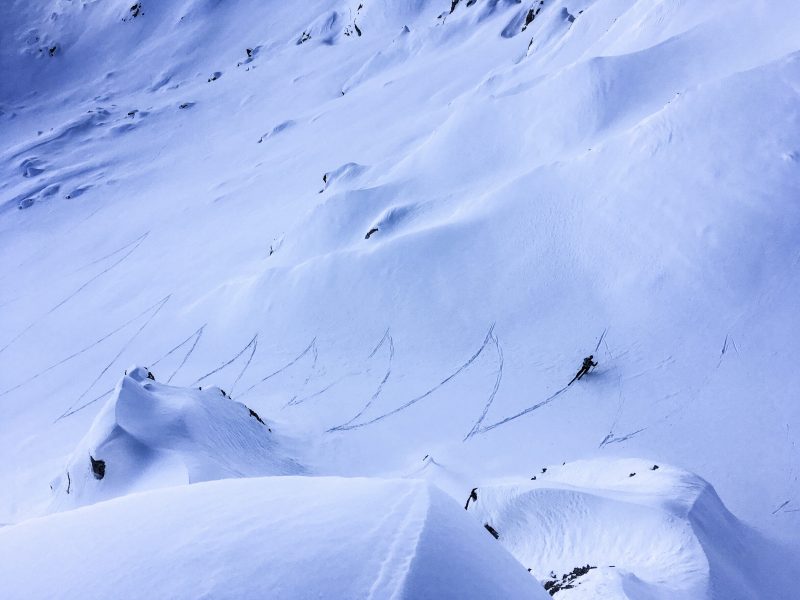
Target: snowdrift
{"x": 151, "y": 435}
{"x": 276, "y": 537}
{"x": 644, "y": 530}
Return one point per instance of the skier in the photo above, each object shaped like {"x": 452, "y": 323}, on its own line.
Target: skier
{"x": 588, "y": 363}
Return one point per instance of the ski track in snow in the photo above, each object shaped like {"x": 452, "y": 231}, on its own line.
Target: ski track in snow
{"x": 498, "y": 379}
{"x": 135, "y": 243}
{"x": 601, "y": 340}
{"x": 413, "y": 401}
{"x": 536, "y": 406}
{"x": 386, "y": 337}
{"x": 380, "y": 343}
{"x": 524, "y": 412}
{"x": 71, "y": 412}
{"x": 728, "y": 340}
{"x": 125, "y": 346}
{"x": 196, "y": 336}
{"x": 253, "y": 343}
{"x": 783, "y": 505}
{"x": 157, "y": 306}
{"x": 663, "y": 363}
{"x": 311, "y": 374}
{"x": 691, "y": 395}
{"x": 308, "y": 349}
{"x": 296, "y": 401}
{"x": 611, "y": 437}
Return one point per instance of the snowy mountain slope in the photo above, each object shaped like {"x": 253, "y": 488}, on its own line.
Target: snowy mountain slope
{"x": 152, "y": 435}
{"x": 276, "y": 537}
{"x": 619, "y": 166}
{"x": 647, "y": 531}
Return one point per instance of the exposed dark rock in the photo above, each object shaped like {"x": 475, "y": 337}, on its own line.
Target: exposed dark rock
{"x": 98, "y": 467}
{"x": 492, "y": 530}
{"x": 356, "y": 28}
{"x": 136, "y": 10}
{"x": 370, "y": 232}
{"x": 566, "y": 582}
{"x": 632, "y": 474}
{"x": 473, "y": 495}
{"x": 52, "y": 50}
{"x": 532, "y": 14}
{"x": 654, "y": 468}
{"x": 254, "y": 414}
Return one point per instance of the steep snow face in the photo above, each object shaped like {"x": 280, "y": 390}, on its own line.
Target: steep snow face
{"x": 646, "y": 531}
{"x": 151, "y": 435}
{"x": 277, "y": 537}
{"x": 618, "y": 166}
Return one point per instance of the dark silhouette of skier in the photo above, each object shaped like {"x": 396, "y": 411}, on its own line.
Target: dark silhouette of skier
{"x": 588, "y": 363}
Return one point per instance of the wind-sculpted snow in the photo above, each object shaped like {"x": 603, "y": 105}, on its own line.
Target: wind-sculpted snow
{"x": 647, "y": 531}
{"x": 277, "y": 537}
{"x": 151, "y": 435}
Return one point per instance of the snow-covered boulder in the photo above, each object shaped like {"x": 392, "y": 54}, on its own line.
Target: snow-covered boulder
{"x": 630, "y": 529}
{"x": 151, "y": 435}
{"x": 275, "y": 537}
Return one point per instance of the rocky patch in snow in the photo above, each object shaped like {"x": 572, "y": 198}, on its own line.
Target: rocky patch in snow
{"x": 662, "y": 534}
{"x": 151, "y": 435}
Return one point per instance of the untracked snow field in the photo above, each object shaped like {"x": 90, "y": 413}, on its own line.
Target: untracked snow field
{"x": 358, "y": 250}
